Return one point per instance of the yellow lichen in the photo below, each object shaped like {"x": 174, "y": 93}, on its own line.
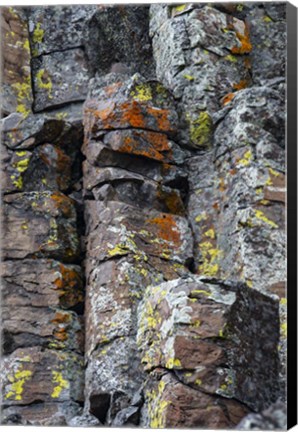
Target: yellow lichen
{"x": 283, "y": 301}
{"x": 44, "y": 81}
{"x": 260, "y": 215}
{"x": 246, "y": 159}
{"x": 209, "y": 255}
{"x": 200, "y": 217}
{"x": 283, "y": 330}
{"x": 61, "y": 384}
{"x": 198, "y": 382}
{"x": 17, "y": 384}
{"x": 142, "y": 93}
{"x": 188, "y": 77}
{"x": 231, "y": 58}
{"x": 173, "y": 363}
{"x": 179, "y": 8}
{"x": 267, "y": 19}
{"x": 273, "y": 172}
{"x": 23, "y": 90}
{"x": 210, "y": 233}
{"x": 249, "y": 283}
{"x": 157, "y": 406}
{"x": 120, "y": 249}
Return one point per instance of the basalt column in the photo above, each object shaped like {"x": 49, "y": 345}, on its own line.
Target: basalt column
{"x": 229, "y": 85}
{"x": 137, "y": 233}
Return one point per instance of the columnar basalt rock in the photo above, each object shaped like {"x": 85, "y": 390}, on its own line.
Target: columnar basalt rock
{"x": 137, "y": 231}
{"x": 237, "y": 182}
{"x": 143, "y": 180}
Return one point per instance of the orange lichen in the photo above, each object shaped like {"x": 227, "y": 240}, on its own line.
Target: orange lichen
{"x": 155, "y": 143}
{"x": 245, "y": 46}
{"x": 228, "y": 98}
{"x": 62, "y": 203}
{"x": 241, "y": 85}
{"x": 60, "y": 334}
{"x": 166, "y": 227}
{"x": 172, "y": 200}
{"x": 68, "y": 279}
{"x": 132, "y": 114}
{"x": 61, "y": 317}
{"x": 161, "y": 116}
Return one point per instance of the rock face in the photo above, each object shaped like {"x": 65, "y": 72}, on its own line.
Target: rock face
{"x": 143, "y": 236}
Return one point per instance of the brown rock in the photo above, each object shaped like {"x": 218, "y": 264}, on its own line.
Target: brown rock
{"x": 39, "y": 225}
{"x": 16, "y": 73}
{"x": 32, "y": 374}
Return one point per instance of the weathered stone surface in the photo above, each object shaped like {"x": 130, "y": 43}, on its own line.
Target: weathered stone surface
{"x": 117, "y": 229}
{"x": 60, "y": 128}
{"x": 273, "y": 418}
{"x": 203, "y": 68}
{"x": 268, "y": 38}
{"x": 58, "y": 28}
{"x": 191, "y": 326}
{"x": 151, "y": 145}
{"x": 46, "y": 168}
{"x": 41, "y": 283}
{"x": 170, "y": 404}
{"x": 59, "y": 78}
{"x": 85, "y": 420}
{"x": 16, "y": 91}
{"x": 39, "y": 225}
{"x": 41, "y": 414}
{"x": 121, "y": 284}
{"x": 32, "y": 374}
{"x": 167, "y": 174}
{"x": 133, "y": 103}
{"x": 113, "y": 376}
{"x": 120, "y": 34}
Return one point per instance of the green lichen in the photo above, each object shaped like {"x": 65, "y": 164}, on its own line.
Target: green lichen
{"x": 188, "y": 77}
{"x": 38, "y": 34}
{"x": 231, "y": 58}
{"x": 201, "y": 129}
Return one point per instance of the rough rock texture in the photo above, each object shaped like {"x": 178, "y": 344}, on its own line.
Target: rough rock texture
{"x": 143, "y": 235}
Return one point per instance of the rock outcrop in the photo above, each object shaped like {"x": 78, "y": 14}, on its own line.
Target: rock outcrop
{"x": 143, "y": 215}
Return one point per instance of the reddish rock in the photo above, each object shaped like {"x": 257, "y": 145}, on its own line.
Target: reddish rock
{"x": 118, "y": 229}
{"x": 16, "y": 72}
{"x": 33, "y": 374}
{"x": 170, "y": 404}
{"x": 39, "y": 225}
